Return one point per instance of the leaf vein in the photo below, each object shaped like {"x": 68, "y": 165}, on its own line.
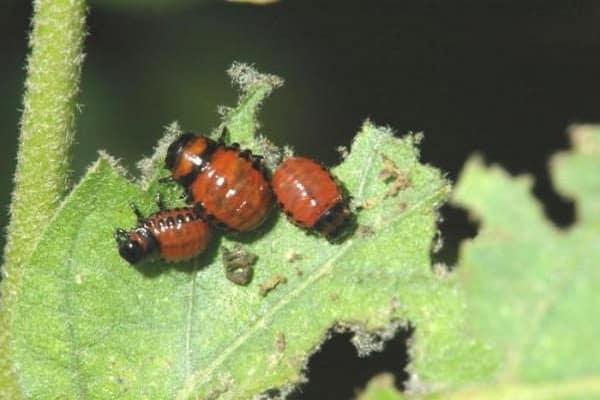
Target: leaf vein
{"x": 202, "y": 376}
{"x": 362, "y": 181}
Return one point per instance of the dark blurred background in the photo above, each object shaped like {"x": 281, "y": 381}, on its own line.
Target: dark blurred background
{"x": 504, "y": 78}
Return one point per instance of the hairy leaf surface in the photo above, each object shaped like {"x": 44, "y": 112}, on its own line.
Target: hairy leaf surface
{"x": 91, "y": 326}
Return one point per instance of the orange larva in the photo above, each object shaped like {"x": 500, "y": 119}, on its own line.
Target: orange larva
{"x": 228, "y": 184}
{"x": 310, "y": 196}
{"x": 176, "y": 234}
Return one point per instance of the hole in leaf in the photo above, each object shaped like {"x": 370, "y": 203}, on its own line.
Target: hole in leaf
{"x": 274, "y": 393}
{"x": 337, "y": 372}
{"x": 455, "y": 226}
{"x": 558, "y": 209}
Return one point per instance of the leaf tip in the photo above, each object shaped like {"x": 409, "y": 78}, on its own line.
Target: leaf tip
{"x": 247, "y": 77}
{"x": 148, "y": 166}
{"x": 106, "y": 160}
{"x": 369, "y": 126}
{"x": 241, "y": 121}
{"x": 272, "y": 154}
{"x": 585, "y": 138}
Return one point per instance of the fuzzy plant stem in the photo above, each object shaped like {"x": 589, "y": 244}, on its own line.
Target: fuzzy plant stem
{"x": 45, "y": 143}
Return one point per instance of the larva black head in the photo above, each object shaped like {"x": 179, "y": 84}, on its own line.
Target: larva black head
{"x": 176, "y": 148}
{"x": 131, "y": 251}
{"x": 136, "y": 245}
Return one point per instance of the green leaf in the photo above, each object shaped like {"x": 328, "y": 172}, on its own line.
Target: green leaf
{"x": 532, "y": 288}
{"x": 91, "y": 326}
